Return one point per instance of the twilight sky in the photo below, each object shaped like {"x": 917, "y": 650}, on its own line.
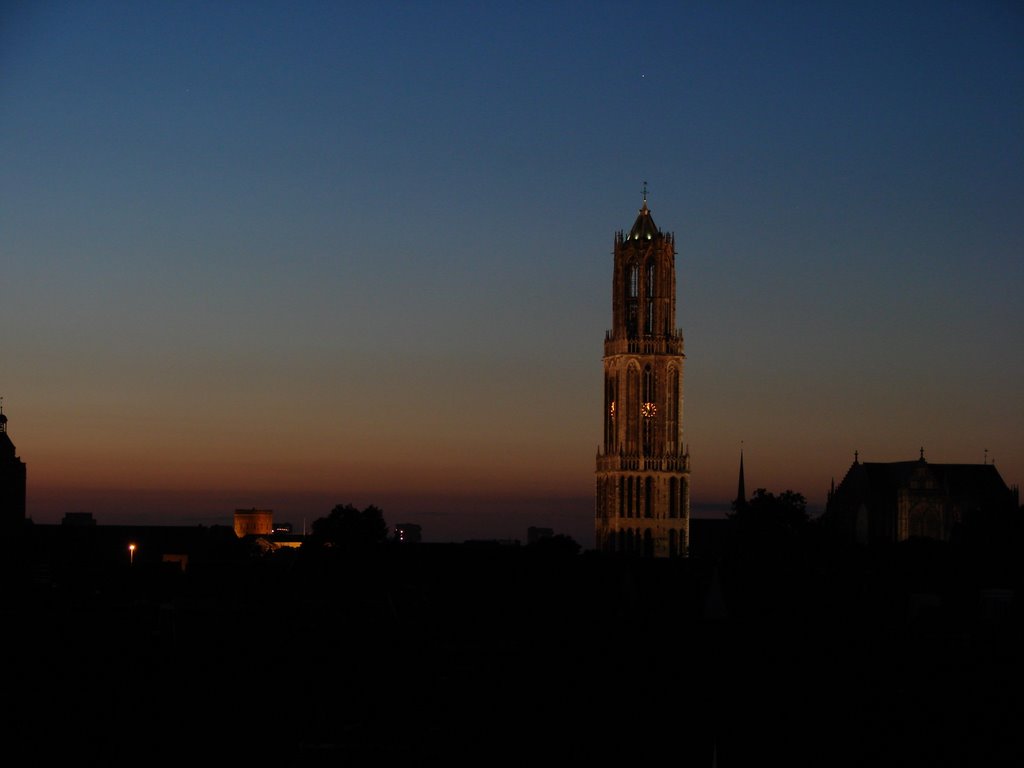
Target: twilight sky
{"x": 288, "y": 255}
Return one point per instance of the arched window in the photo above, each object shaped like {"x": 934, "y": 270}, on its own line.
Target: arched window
{"x": 632, "y": 300}
{"x": 610, "y": 413}
{"x": 632, "y": 401}
{"x": 649, "y": 497}
{"x": 672, "y": 411}
{"x": 648, "y": 384}
{"x": 649, "y": 299}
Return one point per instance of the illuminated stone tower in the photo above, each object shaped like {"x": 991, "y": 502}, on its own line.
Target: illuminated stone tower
{"x": 643, "y": 469}
{"x": 12, "y": 483}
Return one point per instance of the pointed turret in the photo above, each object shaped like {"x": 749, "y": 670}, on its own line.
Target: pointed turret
{"x": 644, "y": 227}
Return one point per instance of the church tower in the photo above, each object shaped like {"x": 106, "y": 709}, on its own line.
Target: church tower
{"x": 12, "y": 483}
{"x": 643, "y": 468}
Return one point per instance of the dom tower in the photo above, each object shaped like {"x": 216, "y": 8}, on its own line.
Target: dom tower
{"x": 643, "y": 470}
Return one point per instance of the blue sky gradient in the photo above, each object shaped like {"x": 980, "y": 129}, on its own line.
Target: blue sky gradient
{"x": 290, "y": 255}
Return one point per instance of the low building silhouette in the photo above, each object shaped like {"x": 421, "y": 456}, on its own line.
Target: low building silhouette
{"x": 408, "y": 533}
{"x": 78, "y": 520}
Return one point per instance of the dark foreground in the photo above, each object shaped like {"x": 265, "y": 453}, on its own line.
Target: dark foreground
{"x": 494, "y": 654}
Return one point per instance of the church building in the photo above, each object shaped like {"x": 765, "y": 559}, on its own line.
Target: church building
{"x": 884, "y": 503}
{"x": 643, "y": 467}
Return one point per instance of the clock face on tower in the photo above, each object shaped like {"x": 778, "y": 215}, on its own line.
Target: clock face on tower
{"x": 647, "y": 410}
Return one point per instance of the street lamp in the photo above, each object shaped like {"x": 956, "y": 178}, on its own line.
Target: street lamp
{"x": 131, "y": 554}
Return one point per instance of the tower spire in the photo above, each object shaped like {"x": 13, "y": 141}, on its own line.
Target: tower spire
{"x": 741, "y": 490}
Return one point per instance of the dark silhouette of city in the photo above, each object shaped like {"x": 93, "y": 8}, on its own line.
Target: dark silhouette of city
{"x": 773, "y": 640}
{"x": 884, "y": 632}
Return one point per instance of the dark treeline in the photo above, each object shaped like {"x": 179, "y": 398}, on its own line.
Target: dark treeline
{"x": 779, "y": 646}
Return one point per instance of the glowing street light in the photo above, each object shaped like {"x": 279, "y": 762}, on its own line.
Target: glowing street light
{"x": 131, "y": 554}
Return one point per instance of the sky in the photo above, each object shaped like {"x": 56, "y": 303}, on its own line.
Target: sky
{"x": 288, "y": 255}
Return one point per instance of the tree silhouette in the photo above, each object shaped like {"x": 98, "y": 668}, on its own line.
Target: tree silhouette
{"x": 767, "y": 513}
{"x": 349, "y": 528}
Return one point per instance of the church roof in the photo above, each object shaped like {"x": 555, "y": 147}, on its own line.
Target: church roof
{"x": 877, "y": 484}
{"x": 644, "y": 227}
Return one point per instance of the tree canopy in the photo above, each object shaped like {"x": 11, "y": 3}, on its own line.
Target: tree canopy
{"x": 350, "y": 528}
{"x": 785, "y": 513}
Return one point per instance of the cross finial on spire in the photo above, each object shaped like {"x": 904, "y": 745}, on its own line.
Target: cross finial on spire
{"x": 645, "y": 193}
{"x": 922, "y": 453}
{"x": 856, "y": 457}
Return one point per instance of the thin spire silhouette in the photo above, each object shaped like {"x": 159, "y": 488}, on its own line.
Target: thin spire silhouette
{"x": 741, "y": 488}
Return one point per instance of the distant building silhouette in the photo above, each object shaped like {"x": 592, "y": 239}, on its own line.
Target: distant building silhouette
{"x": 408, "y": 533}
{"x": 254, "y": 522}
{"x": 78, "y": 520}
{"x": 643, "y": 469}
{"x": 889, "y": 502}
{"x": 12, "y": 483}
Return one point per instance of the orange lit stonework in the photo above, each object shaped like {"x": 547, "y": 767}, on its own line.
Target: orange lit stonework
{"x": 643, "y": 468}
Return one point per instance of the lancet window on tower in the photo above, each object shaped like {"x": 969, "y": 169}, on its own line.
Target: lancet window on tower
{"x": 632, "y": 299}
{"x": 633, "y": 406}
{"x": 672, "y": 411}
{"x": 649, "y": 299}
{"x": 611, "y": 407}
